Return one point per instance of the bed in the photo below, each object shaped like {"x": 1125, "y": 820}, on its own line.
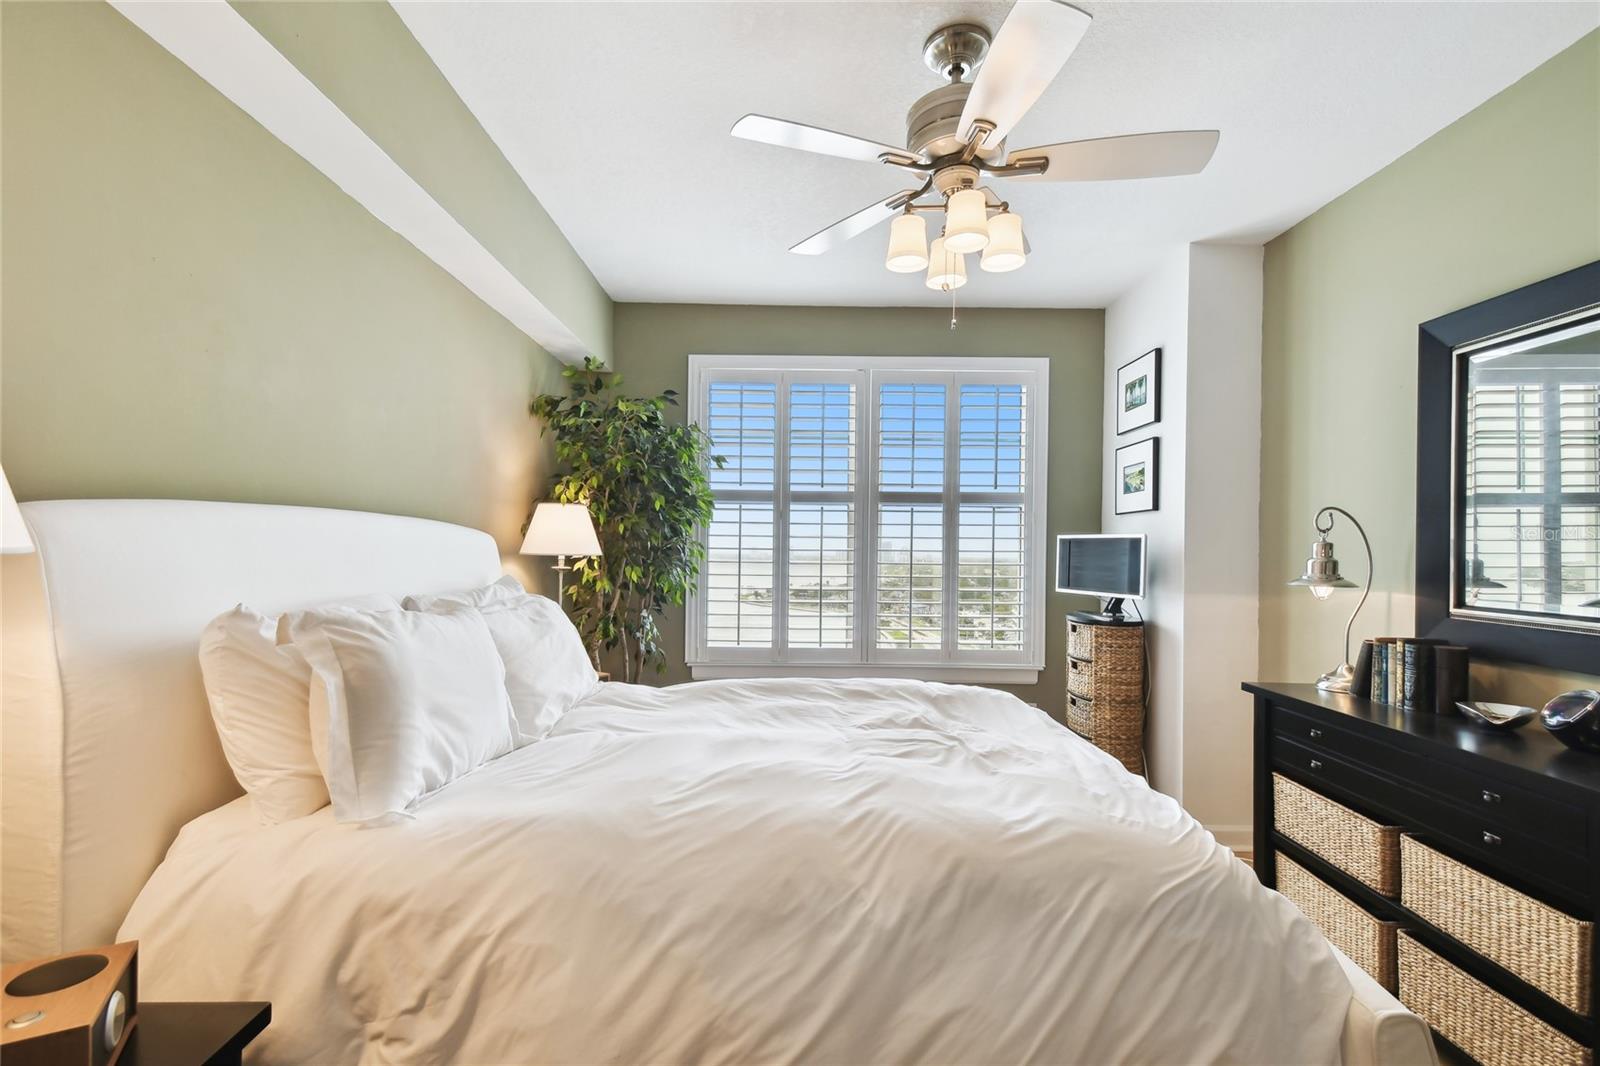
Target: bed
{"x": 737, "y": 871}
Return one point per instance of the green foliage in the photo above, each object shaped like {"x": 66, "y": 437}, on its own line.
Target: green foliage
{"x": 646, "y": 485}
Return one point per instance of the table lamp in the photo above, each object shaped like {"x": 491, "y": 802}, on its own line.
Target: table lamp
{"x": 14, "y": 539}
{"x": 1322, "y": 577}
{"x": 561, "y": 529}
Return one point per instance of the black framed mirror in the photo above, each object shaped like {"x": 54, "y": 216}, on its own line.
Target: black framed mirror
{"x": 1508, "y": 474}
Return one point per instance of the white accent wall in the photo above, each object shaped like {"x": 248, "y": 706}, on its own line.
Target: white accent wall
{"x": 1202, "y": 308}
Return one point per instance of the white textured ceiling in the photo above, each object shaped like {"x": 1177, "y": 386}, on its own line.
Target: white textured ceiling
{"x": 617, "y": 116}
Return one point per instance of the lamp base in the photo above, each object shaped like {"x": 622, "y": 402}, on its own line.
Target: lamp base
{"x": 1338, "y": 679}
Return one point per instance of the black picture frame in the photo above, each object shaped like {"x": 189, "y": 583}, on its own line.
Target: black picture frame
{"x": 1439, "y": 451}
{"x": 1124, "y": 424}
{"x": 1150, "y": 497}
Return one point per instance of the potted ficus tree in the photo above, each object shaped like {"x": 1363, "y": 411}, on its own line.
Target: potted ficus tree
{"x": 645, "y": 482}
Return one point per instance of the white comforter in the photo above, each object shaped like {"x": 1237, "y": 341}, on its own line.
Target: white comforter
{"x": 753, "y": 871}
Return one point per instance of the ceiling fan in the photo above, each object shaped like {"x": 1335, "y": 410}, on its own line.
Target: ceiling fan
{"x": 955, "y": 139}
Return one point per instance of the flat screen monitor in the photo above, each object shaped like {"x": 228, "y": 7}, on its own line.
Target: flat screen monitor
{"x": 1109, "y": 565}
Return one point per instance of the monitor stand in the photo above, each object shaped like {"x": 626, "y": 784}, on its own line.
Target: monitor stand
{"x": 1111, "y": 616}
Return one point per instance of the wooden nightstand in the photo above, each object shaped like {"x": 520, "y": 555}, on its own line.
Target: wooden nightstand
{"x": 194, "y": 1034}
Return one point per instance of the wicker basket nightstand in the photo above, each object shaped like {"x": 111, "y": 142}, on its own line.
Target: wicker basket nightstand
{"x": 1105, "y": 688}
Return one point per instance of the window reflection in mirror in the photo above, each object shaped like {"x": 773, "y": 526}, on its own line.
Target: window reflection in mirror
{"x": 1528, "y": 494}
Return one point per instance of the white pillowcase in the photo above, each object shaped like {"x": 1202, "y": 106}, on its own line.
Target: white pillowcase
{"x": 259, "y": 698}
{"x": 547, "y": 668}
{"x": 414, "y": 700}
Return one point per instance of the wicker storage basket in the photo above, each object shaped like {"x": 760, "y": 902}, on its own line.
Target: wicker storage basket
{"x": 1477, "y": 1019}
{"x": 1080, "y": 677}
{"x": 1113, "y": 726}
{"x": 1360, "y": 847}
{"x": 1547, "y": 948}
{"x": 1080, "y": 640}
{"x": 1368, "y": 941}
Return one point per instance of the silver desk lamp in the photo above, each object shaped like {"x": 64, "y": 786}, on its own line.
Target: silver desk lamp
{"x": 1322, "y": 577}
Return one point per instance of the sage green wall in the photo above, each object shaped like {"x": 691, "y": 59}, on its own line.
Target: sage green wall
{"x": 190, "y": 309}
{"x": 364, "y": 58}
{"x": 654, "y": 342}
{"x": 1507, "y": 195}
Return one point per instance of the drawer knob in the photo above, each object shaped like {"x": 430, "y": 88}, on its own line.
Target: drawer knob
{"x": 1491, "y": 797}
{"x": 1316, "y": 734}
{"x": 1316, "y": 764}
{"x": 1490, "y": 838}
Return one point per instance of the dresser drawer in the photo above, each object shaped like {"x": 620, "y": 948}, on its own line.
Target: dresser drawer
{"x": 1546, "y": 947}
{"x": 1476, "y": 1018}
{"x": 1548, "y": 821}
{"x": 1366, "y": 850}
{"x": 1368, "y": 941}
{"x": 1517, "y": 853}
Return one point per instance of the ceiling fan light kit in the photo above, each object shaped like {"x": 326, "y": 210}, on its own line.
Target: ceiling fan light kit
{"x": 947, "y": 271}
{"x": 1005, "y": 251}
{"x": 908, "y": 244}
{"x": 955, "y": 139}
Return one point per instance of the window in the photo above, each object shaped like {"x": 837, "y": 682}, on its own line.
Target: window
{"x": 880, "y": 513}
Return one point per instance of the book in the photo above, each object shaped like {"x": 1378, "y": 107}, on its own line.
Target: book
{"x": 1396, "y": 671}
{"x": 1380, "y": 671}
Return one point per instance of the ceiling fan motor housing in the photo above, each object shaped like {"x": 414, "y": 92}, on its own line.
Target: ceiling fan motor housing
{"x": 931, "y": 124}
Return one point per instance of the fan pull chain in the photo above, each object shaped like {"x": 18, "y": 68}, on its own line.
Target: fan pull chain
{"x": 952, "y": 307}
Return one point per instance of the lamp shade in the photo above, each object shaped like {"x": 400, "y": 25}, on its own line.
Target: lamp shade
{"x": 561, "y": 529}
{"x": 946, "y": 270}
{"x": 1005, "y": 251}
{"x": 1322, "y": 572}
{"x": 908, "y": 244}
{"x": 14, "y": 539}
{"x": 966, "y": 221}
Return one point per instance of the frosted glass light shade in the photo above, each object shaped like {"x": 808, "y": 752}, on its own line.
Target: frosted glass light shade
{"x": 561, "y": 529}
{"x": 908, "y": 244}
{"x": 1005, "y": 251}
{"x": 946, "y": 269}
{"x": 14, "y": 539}
{"x": 966, "y": 221}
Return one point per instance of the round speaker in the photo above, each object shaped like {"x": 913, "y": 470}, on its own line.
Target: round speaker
{"x": 55, "y": 975}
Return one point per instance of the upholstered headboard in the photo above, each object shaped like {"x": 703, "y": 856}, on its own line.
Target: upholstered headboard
{"x": 107, "y": 741}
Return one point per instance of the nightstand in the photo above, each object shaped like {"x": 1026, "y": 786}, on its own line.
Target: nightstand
{"x": 194, "y": 1034}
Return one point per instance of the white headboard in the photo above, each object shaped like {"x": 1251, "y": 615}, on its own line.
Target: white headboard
{"x": 108, "y": 743}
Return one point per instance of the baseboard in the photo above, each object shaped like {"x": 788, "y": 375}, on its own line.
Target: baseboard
{"x": 1237, "y": 837}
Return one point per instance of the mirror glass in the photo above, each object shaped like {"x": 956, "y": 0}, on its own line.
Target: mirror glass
{"x": 1527, "y": 475}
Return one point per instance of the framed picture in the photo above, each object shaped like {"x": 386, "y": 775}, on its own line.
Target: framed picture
{"x": 1134, "y": 476}
{"x": 1139, "y": 392}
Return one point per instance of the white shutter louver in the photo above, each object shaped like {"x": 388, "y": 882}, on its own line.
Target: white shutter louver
{"x": 742, "y": 422}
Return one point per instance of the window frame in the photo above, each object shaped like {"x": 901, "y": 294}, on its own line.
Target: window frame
{"x": 866, "y": 373}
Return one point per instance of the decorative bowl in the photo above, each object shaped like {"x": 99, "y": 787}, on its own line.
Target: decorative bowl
{"x": 1574, "y": 719}
{"x": 1501, "y": 716}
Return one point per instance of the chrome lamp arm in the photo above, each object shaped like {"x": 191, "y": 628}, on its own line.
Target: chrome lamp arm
{"x": 1367, "y": 589}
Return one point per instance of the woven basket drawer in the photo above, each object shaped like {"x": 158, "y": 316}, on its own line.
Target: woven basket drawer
{"x": 1080, "y": 715}
{"x": 1080, "y": 677}
{"x": 1080, "y": 640}
{"x": 1354, "y": 843}
{"x": 1547, "y": 948}
{"x": 1369, "y": 942}
{"x": 1477, "y": 1019}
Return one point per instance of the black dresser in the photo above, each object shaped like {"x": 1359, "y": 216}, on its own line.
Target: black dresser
{"x": 1500, "y": 835}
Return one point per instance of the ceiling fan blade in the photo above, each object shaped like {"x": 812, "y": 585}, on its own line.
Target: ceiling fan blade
{"x": 1138, "y": 155}
{"x": 1028, "y": 52}
{"x": 786, "y": 134}
{"x": 854, "y": 225}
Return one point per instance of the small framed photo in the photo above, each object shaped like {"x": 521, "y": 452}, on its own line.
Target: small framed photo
{"x": 1135, "y": 476}
{"x": 1139, "y": 392}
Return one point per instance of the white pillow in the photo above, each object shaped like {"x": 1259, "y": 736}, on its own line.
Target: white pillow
{"x": 547, "y": 668}
{"x": 259, "y": 699}
{"x": 414, "y": 701}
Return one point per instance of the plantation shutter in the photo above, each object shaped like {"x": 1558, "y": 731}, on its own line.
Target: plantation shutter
{"x": 879, "y": 514}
